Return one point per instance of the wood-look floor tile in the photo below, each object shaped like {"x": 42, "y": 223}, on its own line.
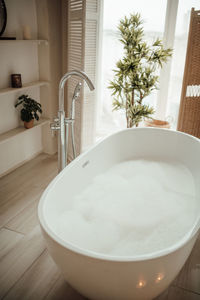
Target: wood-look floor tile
{"x": 163, "y": 296}
{"x": 175, "y": 293}
{"x": 8, "y": 239}
{"x": 62, "y": 290}
{"x": 42, "y": 175}
{"x": 189, "y": 277}
{"x": 19, "y": 259}
{"x": 17, "y": 179}
{"x": 15, "y": 205}
{"x": 16, "y": 194}
{"x": 28, "y": 176}
{"x": 36, "y": 281}
{"x": 26, "y": 220}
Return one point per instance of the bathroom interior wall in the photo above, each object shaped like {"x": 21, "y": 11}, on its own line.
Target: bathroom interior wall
{"x": 49, "y": 28}
{"x": 20, "y": 13}
{"x": 55, "y": 36}
{"x": 34, "y": 63}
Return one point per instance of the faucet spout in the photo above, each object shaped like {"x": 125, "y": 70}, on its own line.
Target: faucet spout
{"x": 65, "y": 77}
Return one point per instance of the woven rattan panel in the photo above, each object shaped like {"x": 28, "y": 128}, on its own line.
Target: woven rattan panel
{"x": 189, "y": 113}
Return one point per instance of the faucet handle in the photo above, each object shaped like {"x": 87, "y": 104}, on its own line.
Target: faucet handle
{"x": 56, "y": 119}
{"x": 55, "y": 125}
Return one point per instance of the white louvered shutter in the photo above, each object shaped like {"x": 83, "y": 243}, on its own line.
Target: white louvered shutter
{"x": 80, "y": 51}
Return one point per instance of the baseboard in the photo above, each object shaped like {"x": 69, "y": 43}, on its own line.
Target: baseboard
{"x": 20, "y": 164}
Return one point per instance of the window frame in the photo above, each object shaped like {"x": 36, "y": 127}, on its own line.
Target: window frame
{"x": 168, "y": 41}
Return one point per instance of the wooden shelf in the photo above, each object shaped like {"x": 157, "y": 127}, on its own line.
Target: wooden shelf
{"x": 25, "y": 86}
{"x": 19, "y": 130}
{"x": 45, "y": 42}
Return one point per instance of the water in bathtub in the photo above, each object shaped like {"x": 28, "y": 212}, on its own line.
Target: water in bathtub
{"x": 136, "y": 207}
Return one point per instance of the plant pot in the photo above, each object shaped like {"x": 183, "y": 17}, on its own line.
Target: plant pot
{"x": 156, "y": 123}
{"x": 29, "y": 124}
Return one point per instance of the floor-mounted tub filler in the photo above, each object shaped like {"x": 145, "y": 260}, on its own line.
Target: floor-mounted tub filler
{"x": 114, "y": 272}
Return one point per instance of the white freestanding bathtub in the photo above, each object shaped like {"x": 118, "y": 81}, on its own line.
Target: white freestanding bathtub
{"x": 98, "y": 276}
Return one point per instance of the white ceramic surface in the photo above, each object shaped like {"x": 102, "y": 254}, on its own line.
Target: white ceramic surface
{"x": 99, "y": 276}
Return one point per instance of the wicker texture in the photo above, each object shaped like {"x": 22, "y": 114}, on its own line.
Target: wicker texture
{"x": 189, "y": 113}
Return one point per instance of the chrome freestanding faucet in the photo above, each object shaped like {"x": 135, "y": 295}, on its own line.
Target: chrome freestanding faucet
{"x": 61, "y": 123}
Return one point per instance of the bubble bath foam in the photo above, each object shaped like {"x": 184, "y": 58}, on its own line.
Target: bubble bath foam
{"x": 134, "y": 208}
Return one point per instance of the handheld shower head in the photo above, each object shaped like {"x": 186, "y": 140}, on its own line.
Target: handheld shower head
{"x": 77, "y": 91}
{"x": 84, "y": 76}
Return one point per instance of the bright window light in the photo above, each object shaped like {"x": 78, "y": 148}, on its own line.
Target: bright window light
{"x": 153, "y": 13}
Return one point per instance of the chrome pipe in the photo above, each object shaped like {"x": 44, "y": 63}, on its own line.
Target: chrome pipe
{"x": 73, "y": 140}
{"x": 61, "y": 143}
{"x": 66, "y": 140}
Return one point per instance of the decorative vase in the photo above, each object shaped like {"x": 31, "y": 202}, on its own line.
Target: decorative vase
{"x": 156, "y": 123}
{"x": 29, "y": 124}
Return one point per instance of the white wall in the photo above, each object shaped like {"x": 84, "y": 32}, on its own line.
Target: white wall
{"x": 19, "y": 14}
{"x": 18, "y": 58}
{"x": 49, "y": 24}
{"x": 20, "y": 149}
{"x": 9, "y": 115}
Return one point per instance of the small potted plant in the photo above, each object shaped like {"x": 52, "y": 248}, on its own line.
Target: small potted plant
{"x": 29, "y": 110}
{"x": 136, "y": 74}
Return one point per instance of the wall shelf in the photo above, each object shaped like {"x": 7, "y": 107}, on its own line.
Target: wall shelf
{"x": 32, "y": 59}
{"x": 25, "y": 86}
{"x": 3, "y": 42}
{"x": 19, "y": 130}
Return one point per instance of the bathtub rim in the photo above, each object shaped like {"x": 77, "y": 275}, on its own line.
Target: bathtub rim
{"x": 100, "y": 256}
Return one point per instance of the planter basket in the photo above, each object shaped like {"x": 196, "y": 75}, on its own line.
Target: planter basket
{"x": 189, "y": 113}
{"x": 156, "y": 123}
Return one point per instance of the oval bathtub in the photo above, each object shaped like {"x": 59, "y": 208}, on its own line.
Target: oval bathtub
{"x": 98, "y": 276}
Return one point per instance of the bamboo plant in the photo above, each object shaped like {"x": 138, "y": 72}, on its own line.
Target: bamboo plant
{"x": 135, "y": 76}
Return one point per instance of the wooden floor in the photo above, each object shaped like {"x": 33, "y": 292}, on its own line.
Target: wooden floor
{"x": 26, "y": 269}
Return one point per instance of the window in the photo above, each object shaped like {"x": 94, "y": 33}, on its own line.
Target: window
{"x": 156, "y": 14}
